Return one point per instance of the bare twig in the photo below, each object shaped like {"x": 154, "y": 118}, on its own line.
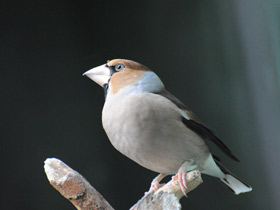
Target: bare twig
{"x": 74, "y": 186}
{"x": 168, "y": 196}
{"x": 83, "y": 196}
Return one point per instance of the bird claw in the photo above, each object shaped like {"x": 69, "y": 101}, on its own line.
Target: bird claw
{"x": 155, "y": 185}
{"x": 180, "y": 178}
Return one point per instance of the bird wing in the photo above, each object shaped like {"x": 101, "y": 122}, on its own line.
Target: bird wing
{"x": 193, "y": 123}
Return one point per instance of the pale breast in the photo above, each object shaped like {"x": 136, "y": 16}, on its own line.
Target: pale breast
{"x": 148, "y": 129}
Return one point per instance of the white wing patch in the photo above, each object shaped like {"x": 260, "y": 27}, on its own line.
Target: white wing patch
{"x": 184, "y": 114}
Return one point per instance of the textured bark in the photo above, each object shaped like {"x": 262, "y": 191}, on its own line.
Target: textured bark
{"x": 168, "y": 196}
{"x": 83, "y": 196}
{"x": 74, "y": 186}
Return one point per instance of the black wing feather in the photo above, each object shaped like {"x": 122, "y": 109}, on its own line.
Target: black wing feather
{"x": 206, "y": 133}
{"x": 196, "y": 126}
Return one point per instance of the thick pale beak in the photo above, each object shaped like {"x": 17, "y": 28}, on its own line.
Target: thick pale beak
{"x": 100, "y": 74}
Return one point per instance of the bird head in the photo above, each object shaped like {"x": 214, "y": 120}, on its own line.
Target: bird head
{"x": 119, "y": 74}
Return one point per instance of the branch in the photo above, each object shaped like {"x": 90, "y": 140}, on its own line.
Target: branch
{"x": 83, "y": 196}
{"x": 168, "y": 196}
{"x": 74, "y": 186}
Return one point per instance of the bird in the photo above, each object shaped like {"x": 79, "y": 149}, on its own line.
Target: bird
{"x": 152, "y": 127}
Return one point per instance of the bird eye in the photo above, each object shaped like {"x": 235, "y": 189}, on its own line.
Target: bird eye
{"x": 119, "y": 67}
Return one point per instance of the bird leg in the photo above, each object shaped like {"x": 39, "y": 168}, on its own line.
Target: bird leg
{"x": 180, "y": 177}
{"x": 155, "y": 185}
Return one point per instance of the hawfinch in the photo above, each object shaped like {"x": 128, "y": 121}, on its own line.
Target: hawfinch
{"x": 153, "y": 128}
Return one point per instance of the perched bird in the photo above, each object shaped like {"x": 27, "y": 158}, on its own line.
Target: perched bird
{"x": 153, "y": 128}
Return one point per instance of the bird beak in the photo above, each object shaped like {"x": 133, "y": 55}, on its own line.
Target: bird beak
{"x": 100, "y": 74}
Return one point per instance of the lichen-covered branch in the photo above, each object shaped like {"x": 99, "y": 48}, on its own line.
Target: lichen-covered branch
{"x": 83, "y": 196}
{"x": 74, "y": 186}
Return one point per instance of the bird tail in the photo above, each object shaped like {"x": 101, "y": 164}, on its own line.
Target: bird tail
{"x": 233, "y": 183}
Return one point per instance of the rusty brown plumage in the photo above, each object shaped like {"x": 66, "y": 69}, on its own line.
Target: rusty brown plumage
{"x": 129, "y": 64}
{"x": 132, "y": 72}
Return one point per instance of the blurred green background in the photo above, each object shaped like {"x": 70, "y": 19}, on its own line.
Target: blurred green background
{"x": 221, "y": 58}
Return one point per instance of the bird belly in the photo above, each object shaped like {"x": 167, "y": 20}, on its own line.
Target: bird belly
{"x": 152, "y": 133}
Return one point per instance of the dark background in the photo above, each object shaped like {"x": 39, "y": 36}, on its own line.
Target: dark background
{"x": 221, "y": 58}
